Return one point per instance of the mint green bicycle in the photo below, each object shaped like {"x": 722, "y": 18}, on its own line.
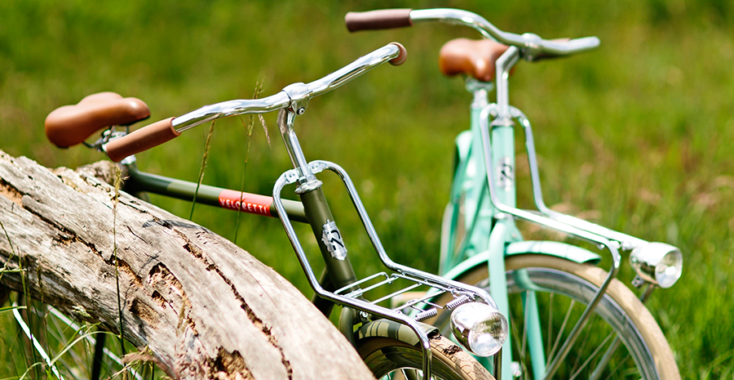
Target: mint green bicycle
{"x": 568, "y": 318}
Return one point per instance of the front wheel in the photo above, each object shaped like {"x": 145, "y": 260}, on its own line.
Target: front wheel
{"x": 621, "y": 339}
{"x": 393, "y": 359}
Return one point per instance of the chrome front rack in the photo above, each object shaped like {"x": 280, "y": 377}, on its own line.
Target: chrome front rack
{"x": 604, "y": 238}
{"x": 353, "y": 296}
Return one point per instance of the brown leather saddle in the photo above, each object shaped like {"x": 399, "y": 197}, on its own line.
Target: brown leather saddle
{"x": 471, "y": 57}
{"x": 70, "y": 125}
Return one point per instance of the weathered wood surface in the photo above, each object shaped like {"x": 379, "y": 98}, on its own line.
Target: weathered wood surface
{"x": 204, "y": 307}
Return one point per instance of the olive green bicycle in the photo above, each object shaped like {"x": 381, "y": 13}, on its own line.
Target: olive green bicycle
{"x": 390, "y": 338}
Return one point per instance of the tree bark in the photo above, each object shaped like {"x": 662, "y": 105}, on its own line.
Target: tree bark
{"x": 204, "y": 307}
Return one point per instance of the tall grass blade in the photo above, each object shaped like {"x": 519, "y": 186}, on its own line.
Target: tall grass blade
{"x": 2, "y": 309}
{"x": 265, "y": 126}
{"x": 36, "y": 344}
{"x": 90, "y": 340}
{"x": 12, "y": 254}
{"x": 25, "y": 293}
{"x": 203, "y": 166}
{"x": 118, "y": 182}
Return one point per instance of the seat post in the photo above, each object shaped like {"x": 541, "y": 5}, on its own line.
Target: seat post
{"x": 480, "y": 90}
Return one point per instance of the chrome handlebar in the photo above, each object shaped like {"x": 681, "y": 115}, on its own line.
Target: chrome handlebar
{"x": 392, "y": 52}
{"x": 532, "y": 47}
{"x": 295, "y": 96}
{"x": 230, "y": 108}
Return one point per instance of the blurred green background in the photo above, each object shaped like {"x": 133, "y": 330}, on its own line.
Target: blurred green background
{"x": 636, "y": 135}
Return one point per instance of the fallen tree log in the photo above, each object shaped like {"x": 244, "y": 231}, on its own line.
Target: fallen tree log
{"x": 204, "y": 307}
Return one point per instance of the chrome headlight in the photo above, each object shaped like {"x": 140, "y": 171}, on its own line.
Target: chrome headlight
{"x": 658, "y": 263}
{"x": 479, "y": 327}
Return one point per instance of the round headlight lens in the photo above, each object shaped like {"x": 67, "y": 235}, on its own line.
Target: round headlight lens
{"x": 481, "y": 328}
{"x": 668, "y": 271}
{"x": 658, "y": 263}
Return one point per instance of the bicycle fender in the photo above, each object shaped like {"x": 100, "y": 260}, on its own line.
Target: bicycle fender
{"x": 385, "y": 328}
{"x": 552, "y": 248}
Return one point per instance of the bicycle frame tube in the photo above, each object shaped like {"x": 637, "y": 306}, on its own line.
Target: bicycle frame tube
{"x": 331, "y": 244}
{"x": 138, "y": 181}
{"x": 469, "y": 189}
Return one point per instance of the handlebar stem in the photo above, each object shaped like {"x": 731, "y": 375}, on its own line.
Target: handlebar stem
{"x": 299, "y": 95}
{"x": 508, "y": 59}
{"x": 286, "y": 119}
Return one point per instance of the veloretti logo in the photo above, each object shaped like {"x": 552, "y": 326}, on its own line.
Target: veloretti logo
{"x": 246, "y": 202}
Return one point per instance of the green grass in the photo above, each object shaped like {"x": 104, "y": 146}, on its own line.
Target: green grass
{"x": 639, "y": 130}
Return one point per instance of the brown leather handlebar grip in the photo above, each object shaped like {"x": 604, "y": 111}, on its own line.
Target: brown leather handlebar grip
{"x": 380, "y": 19}
{"x": 141, "y": 140}
{"x": 71, "y": 125}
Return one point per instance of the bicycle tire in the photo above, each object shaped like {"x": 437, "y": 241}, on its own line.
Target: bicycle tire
{"x": 619, "y": 311}
{"x": 386, "y": 356}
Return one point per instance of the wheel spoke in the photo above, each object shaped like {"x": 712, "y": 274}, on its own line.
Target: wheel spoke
{"x": 605, "y": 359}
{"x": 618, "y": 367}
{"x": 518, "y": 344}
{"x": 516, "y": 336}
{"x": 593, "y": 354}
{"x": 524, "y": 327}
{"x": 589, "y": 329}
{"x": 34, "y": 341}
{"x": 550, "y": 321}
{"x": 560, "y": 333}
